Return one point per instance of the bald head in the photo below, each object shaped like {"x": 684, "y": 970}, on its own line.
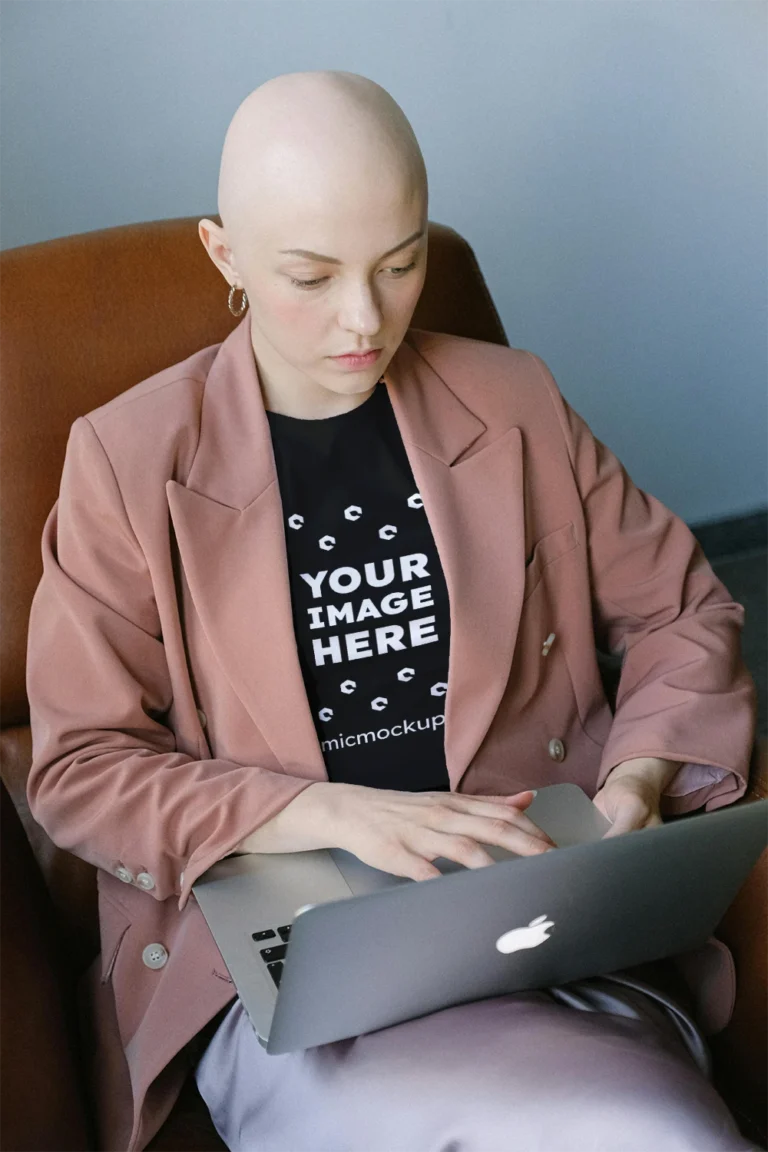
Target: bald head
{"x": 323, "y": 202}
{"x": 304, "y": 141}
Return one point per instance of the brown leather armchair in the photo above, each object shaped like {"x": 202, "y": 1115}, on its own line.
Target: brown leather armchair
{"x": 84, "y": 318}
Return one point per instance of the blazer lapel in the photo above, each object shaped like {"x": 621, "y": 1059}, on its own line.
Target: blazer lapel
{"x": 228, "y": 520}
{"x": 473, "y": 498}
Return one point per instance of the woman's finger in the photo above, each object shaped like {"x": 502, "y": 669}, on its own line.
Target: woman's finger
{"x": 500, "y": 831}
{"x": 492, "y": 810}
{"x": 515, "y": 799}
{"x": 630, "y": 814}
{"x": 463, "y": 849}
{"x": 413, "y": 865}
{"x": 521, "y": 800}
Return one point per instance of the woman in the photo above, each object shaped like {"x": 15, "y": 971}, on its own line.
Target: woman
{"x": 265, "y": 563}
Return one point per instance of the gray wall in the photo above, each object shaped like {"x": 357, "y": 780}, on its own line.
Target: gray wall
{"x": 607, "y": 161}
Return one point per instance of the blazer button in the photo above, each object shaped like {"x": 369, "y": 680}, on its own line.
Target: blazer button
{"x": 547, "y": 644}
{"x": 124, "y": 874}
{"x": 146, "y": 881}
{"x": 557, "y": 750}
{"x": 154, "y": 956}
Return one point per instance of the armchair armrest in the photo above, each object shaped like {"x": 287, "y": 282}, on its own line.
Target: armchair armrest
{"x": 740, "y": 1051}
{"x": 758, "y": 775}
{"x": 42, "y": 1100}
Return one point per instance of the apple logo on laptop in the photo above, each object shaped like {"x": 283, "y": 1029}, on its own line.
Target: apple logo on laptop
{"x": 529, "y": 937}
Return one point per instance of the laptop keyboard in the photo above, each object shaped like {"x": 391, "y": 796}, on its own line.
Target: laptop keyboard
{"x": 274, "y": 954}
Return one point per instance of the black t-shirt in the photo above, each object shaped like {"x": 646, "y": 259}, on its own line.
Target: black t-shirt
{"x": 369, "y": 600}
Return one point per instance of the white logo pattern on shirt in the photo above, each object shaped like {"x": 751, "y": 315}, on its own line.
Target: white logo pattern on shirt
{"x": 353, "y": 513}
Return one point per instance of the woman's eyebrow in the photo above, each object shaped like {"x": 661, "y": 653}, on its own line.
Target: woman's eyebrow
{"x": 332, "y": 259}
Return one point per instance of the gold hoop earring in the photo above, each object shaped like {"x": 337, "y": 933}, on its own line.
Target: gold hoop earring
{"x": 243, "y": 304}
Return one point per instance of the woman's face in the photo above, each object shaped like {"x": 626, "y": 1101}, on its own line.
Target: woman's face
{"x": 356, "y": 289}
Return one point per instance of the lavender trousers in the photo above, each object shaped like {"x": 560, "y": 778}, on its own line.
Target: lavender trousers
{"x": 610, "y": 1064}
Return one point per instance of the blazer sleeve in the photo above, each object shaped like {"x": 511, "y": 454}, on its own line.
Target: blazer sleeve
{"x": 685, "y": 693}
{"x": 107, "y": 782}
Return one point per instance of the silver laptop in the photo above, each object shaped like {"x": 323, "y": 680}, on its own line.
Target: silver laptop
{"x": 322, "y": 947}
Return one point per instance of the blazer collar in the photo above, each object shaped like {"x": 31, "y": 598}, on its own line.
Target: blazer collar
{"x": 229, "y": 527}
{"x": 234, "y": 462}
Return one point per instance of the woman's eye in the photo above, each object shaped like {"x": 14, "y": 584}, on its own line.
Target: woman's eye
{"x": 308, "y": 283}
{"x": 400, "y": 271}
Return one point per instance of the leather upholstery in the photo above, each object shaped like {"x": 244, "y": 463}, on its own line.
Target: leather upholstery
{"x": 40, "y": 1095}
{"x": 740, "y": 1052}
{"x": 84, "y": 318}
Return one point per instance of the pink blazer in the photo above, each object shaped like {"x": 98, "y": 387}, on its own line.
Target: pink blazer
{"x": 169, "y": 714}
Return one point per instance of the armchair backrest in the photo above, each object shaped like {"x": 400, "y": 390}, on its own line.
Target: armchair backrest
{"x": 82, "y": 319}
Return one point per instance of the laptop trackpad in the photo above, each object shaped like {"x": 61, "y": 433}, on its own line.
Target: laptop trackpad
{"x": 362, "y": 878}
{"x": 566, "y": 813}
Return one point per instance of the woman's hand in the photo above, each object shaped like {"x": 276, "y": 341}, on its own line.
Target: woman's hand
{"x": 401, "y": 832}
{"x": 631, "y": 794}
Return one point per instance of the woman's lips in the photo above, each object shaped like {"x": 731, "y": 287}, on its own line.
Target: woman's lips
{"x": 358, "y": 361}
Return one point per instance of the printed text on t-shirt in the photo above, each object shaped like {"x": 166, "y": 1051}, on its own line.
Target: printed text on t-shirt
{"x": 386, "y": 637}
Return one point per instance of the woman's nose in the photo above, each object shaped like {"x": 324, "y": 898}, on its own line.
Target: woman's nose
{"x": 361, "y": 312}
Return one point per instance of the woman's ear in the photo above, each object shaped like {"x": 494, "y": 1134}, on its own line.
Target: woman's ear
{"x": 214, "y": 240}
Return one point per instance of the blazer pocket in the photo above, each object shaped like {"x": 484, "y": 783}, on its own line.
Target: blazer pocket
{"x": 113, "y": 925}
{"x": 548, "y": 549}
